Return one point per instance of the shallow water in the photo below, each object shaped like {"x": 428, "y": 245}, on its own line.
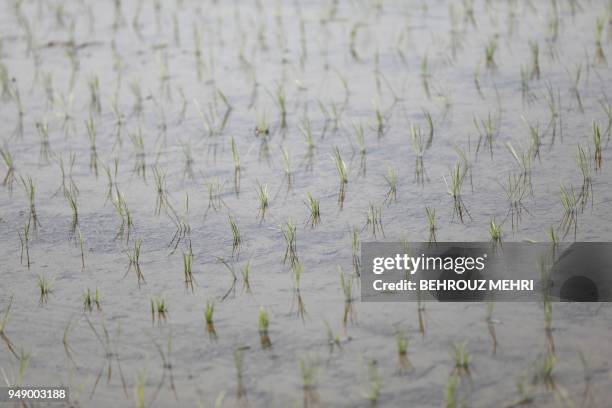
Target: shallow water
{"x": 261, "y": 43}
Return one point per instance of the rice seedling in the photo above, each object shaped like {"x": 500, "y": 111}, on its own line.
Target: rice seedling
{"x": 93, "y": 153}
{"x": 159, "y": 310}
{"x": 309, "y": 370}
{"x": 134, "y": 257}
{"x": 430, "y": 125}
{"x": 336, "y": 112}
{"x": 607, "y": 108}
{"x": 391, "y": 179}
{"x": 5, "y": 317}
{"x": 355, "y": 249}
{"x": 381, "y": 121}
{"x": 600, "y": 56}
{"x": 477, "y": 84}
{"x": 490, "y": 49}
{"x": 24, "y": 362}
{"x": 516, "y": 189}
{"x": 122, "y": 210}
{"x": 71, "y": 197}
{"x": 209, "y": 312}
{"x": 353, "y": 39}
{"x": 188, "y": 158}
{"x": 246, "y": 273}
{"x": 315, "y": 210}
{"x": 554, "y": 239}
{"x": 457, "y": 177}
{"x": 544, "y": 370}
{"x": 30, "y": 190}
{"x": 71, "y": 184}
{"x": 554, "y": 105}
{"x": 419, "y": 151}
{"x": 544, "y": 266}
{"x": 325, "y": 112}
{"x": 25, "y": 243}
{"x": 548, "y": 329}
{"x": 45, "y": 287}
{"x": 264, "y": 324}
{"x": 3, "y": 325}
{"x": 264, "y": 199}
{"x": 496, "y": 232}
{"x": 5, "y": 82}
{"x": 491, "y": 325}
{"x": 18, "y": 132}
{"x": 340, "y": 167}
{"x": 425, "y": 75}
{"x": 164, "y": 73}
{"x": 215, "y": 192}
{"x": 262, "y": 128}
{"x": 597, "y": 144}
{"x": 197, "y": 52}
{"x": 452, "y": 389}
{"x": 360, "y": 138}
{"x": 139, "y": 389}
{"x": 161, "y": 201}
{"x": 525, "y": 89}
{"x": 346, "y": 284}
{"x": 402, "y": 350}
{"x": 45, "y": 146}
{"x": 140, "y": 154}
{"x": 119, "y": 119}
{"x": 535, "y": 137}
{"x": 287, "y": 166}
{"x": 433, "y": 221}
{"x": 298, "y": 271}
{"x": 524, "y": 159}
{"x": 239, "y": 364}
{"x": 588, "y": 394}
{"x": 136, "y": 90}
{"x": 111, "y": 176}
{"x": 281, "y": 101}
{"x": 210, "y": 324}
{"x": 375, "y": 383}
{"x": 535, "y": 59}
{"x": 9, "y": 162}
{"x": 421, "y": 313}
{"x": 467, "y": 165}
{"x": 333, "y": 339}
{"x": 91, "y": 299}
{"x": 374, "y": 220}
{"x": 586, "y": 192}
{"x": 305, "y": 128}
{"x": 525, "y": 393}
{"x": 487, "y": 130}
{"x": 574, "y": 87}
{"x": 455, "y": 31}
{"x": 289, "y": 231}
{"x": 236, "y": 236}
{"x": 570, "y": 201}
{"x": 94, "y": 94}
{"x": 462, "y": 359}
{"x": 187, "y": 269}
{"x": 235, "y": 156}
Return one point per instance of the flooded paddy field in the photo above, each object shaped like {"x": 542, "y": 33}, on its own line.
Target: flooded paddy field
{"x": 186, "y": 186}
